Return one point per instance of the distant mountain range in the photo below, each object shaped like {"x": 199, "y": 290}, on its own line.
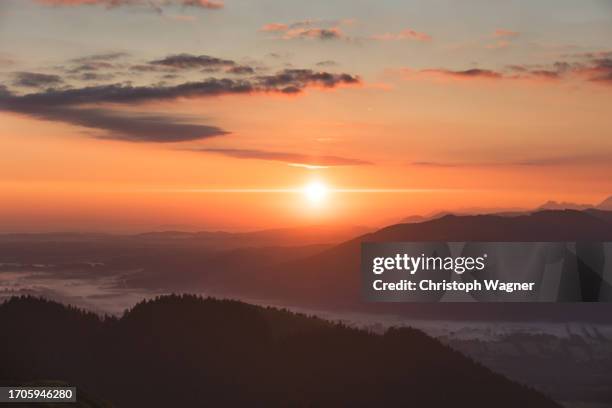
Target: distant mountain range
{"x": 185, "y": 351}
{"x": 295, "y": 236}
{"x": 325, "y": 276}
{"x": 332, "y": 277}
{"x": 605, "y": 205}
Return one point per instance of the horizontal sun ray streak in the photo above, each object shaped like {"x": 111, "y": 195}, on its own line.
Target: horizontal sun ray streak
{"x": 301, "y": 190}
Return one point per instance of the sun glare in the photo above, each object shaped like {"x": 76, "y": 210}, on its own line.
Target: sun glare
{"x": 315, "y": 192}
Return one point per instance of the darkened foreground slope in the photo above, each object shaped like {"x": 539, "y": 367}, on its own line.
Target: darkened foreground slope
{"x": 332, "y": 278}
{"x": 185, "y": 351}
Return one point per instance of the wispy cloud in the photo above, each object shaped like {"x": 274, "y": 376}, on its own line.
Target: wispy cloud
{"x": 131, "y": 127}
{"x": 592, "y": 68}
{"x": 189, "y": 61}
{"x": 293, "y": 159}
{"x": 295, "y": 80}
{"x": 316, "y": 33}
{"x": 308, "y": 29}
{"x": 36, "y": 80}
{"x": 503, "y": 39}
{"x": 94, "y": 67}
{"x": 274, "y": 27}
{"x": 326, "y": 63}
{"x": 99, "y": 107}
{"x": 406, "y": 34}
{"x": 578, "y": 159}
{"x": 498, "y": 45}
{"x": 473, "y": 73}
{"x": 503, "y": 33}
{"x": 157, "y": 5}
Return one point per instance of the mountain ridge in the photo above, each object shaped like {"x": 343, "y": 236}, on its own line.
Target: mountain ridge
{"x": 184, "y": 350}
{"x": 331, "y": 278}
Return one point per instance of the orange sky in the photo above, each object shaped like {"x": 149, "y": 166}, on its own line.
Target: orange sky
{"x": 512, "y": 130}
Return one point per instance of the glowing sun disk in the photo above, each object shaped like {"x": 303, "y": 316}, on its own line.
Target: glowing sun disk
{"x": 315, "y": 192}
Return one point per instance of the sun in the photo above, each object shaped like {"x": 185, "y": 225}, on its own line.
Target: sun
{"x": 315, "y": 192}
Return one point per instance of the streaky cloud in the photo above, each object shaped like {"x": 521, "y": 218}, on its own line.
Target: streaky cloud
{"x": 465, "y": 74}
{"x": 36, "y": 80}
{"x": 307, "y": 29}
{"x": 406, "y": 34}
{"x": 579, "y": 160}
{"x": 130, "y": 127}
{"x": 189, "y": 61}
{"x": 293, "y": 159}
{"x": 156, "y": 5}
{"x": 504, "y": 33}
{"x": 595, "y": 67}
{"x": 77, "y": 106}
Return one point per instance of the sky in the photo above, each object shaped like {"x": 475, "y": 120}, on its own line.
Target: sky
{"x": 131, "y": 115}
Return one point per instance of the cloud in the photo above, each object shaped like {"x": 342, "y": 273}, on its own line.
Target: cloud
{"x": 599, "y": 71}
{"x": 498, "y": 45}
{"x": 591, "y": 55}
{"x": 294, "y": 159}
{"x": 207, "y": 4}
{"x": 503, "y": 33}
{"x": 81, "y": 106}
{"x": 36, "y": 80}
{"x": 189, "y": 61}
{"x": 125, "y": 94}
{"x": 473, "y": 73}
{"x": 286, "y": 81}
{"x": 87, "y": 65}
{"x": 64, "y": 106}
{"x": 586, "y": 159}
{"x": 93, "y": 76}
{"x": 295, "y": 80}
{"x": 107, "y": 56}
{"x": 6, "y": 61}
{"x": 326, "y": 63}
{"x": 315, "y": 33}
{"x": 406, "y": 34}
{"x": 438, "y": 164}
{"x": 152, "y": 4}
{"x": 241, "y": 70}
{"x": 503, "y": 39}
{"x": 596, "y": 68}
{"x": 131, "y": 127}
{"x": 307, "y": 29}
{"x": 274, "y": 27}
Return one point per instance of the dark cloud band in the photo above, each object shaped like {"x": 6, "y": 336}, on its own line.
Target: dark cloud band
{"x": 77, "y": 106}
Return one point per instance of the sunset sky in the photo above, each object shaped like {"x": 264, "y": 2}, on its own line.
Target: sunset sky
{"x": 132, "y": 115}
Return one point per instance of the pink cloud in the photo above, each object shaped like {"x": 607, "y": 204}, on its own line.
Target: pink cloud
{"x": 406, "y": 34}
{"x": 500, "y": 44}
{"x": 502, "y": 33}
{"x": 315, "y": 33}
{"x": 307, "y": 29}
{"x": 468, "y": 74}
{"x": 274, "y": 27}
{"x": 156, "y": 4}
{"x": 594, "y": 70}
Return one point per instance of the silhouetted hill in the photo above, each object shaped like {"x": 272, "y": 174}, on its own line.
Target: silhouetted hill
{"x": 185, "y": 351}
{"x": 563, "y": 205}
{"x": 332, "y": 278}
{"x": 505, "y": 212}
{"x": 319, "y": 276}
{"x": 606, "y": 204}
{"x": 298, "y": 236}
